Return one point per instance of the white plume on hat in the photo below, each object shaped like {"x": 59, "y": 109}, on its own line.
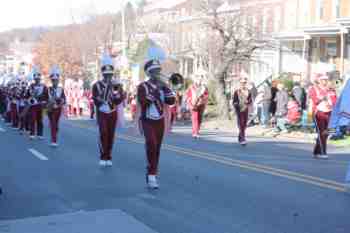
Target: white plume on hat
{"x": 55, "y": 72}
{"x": 201, "y": 72}
{"x": 107, "y": 61}
{"x": 36, "y": 70}
{"x": 30, "y": 77}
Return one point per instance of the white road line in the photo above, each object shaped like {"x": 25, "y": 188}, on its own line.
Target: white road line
{"x": 38, "y": 154}
{"x": 2, "y": 130}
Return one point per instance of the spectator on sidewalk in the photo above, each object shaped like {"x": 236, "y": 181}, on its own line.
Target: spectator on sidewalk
{"x": 263, "y": 101}
{"x": 252, "y": 112}
{"x": 294, "y": 113}
{"x": 273, "y": 104}
{"x": 281, "y": 109}
{"x": 299, "y": 94}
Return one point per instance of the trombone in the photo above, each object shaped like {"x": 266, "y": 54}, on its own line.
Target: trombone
{"x": 175, "y": 80}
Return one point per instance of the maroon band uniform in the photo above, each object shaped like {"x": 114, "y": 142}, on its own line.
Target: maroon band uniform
{"x": 241, "y": 101}
{"x": 37, "y": 96}
{"x": 106, "y": 101}
{"x": 197, "y": 99}
{"x": 152, "y": 99}
{"x": 56, "y": 100}
{"x": 323, "y": 100}
{"x": 14, "y": 97}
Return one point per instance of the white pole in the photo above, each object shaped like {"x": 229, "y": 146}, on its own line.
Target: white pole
{"x": 123, "y": 28}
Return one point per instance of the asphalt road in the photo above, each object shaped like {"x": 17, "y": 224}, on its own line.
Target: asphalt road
{"x": 211, "y": 185}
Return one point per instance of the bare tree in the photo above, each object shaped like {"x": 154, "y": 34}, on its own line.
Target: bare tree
{"x": 229, "y": 40}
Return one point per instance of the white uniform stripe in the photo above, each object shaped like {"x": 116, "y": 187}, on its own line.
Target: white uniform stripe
{"x": 38, "y": 154}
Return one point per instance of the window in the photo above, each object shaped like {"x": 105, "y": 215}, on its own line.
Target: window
{"x": 320, "y": 9}
{"x": 336, "y": 8}
{"x": 255, "y": 22}
{"x": 331, "y": 48}
{"x": 265, "y": 20}
{"x": 277, "y": 19}
{"x": 305, "y": 12}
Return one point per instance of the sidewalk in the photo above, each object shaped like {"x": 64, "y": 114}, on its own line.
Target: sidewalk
{"x": 258, "y": 131}
{"x": 102, "y": 221}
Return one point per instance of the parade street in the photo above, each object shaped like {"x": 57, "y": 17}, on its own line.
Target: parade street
{"x": 211, "y": 185}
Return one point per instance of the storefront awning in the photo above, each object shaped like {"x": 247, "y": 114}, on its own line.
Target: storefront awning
{"x": 323, "y": 31}
{"x": 345, "y": 22}
{"x": 342, "y": 26}
{"x": 289, "y": 36}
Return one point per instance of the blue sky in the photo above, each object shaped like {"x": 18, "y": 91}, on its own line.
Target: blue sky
{"x": 28, "y": 13}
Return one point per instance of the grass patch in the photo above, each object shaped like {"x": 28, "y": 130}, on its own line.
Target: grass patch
{"x": 341, "y": 143}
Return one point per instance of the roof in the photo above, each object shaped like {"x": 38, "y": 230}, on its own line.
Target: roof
{"x": 323, "y": 30}
{"x": 290, "y": 36}
{"x": 162, "y": 5}
{"x": 227, "y": 7}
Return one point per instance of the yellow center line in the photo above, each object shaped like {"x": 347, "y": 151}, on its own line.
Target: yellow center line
{"x": 249, "y": 165}
{"x": 317, "y": 181}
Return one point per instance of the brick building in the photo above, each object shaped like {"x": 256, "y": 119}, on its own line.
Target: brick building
{"x": 318, "y": 39}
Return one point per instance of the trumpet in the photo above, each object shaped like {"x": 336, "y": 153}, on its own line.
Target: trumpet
{"x": 34, "y": 95}
{"x": 175, "y": 80}
{"x": 54, "y": 101}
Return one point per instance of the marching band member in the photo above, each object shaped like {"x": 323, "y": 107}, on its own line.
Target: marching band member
{"x": 2, "y": 101}
{"x": 133, "y": 106}
{"x": 88, "y": 96}
{"x": 153, "y": 97}
{"x": 197, "y": 99}
{"x": 69, "y": 94}
{"x": 14, "y": 97}
{"x": 241, "y": 100}
{"x": 323, "y": 99}
{"x": 37, "y": 97}
{"x": 22, "y": 110}
{"x": 56, "y": 101}
{"x": 174, "y": 110}
{"x": 8, "y": 104}
{"x": 106, "y": 98}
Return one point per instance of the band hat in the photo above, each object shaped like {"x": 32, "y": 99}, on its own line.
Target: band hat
{"x": 107, "y": 66}
{"x": 243, "y": 80}
{"x": 151, "y": 65}
{"x": 55, "y": 72}
{"x": 116, "y": 82}
{"x": 323, "y": 77}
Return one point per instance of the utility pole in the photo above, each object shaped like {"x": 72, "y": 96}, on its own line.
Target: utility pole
{"x": 123, "y": 27}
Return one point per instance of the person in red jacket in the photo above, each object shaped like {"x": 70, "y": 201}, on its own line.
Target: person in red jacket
{"x": 323, "y": 100}
{"x": 242, "y": 98}
{"x": 294, "y": 114}
{"x": 197, "y": 99}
